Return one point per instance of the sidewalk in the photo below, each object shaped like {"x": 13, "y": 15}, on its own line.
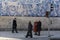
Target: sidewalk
{"x": 7, "y": 35}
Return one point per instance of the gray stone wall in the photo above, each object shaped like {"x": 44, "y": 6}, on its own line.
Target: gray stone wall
{"x": 22, "y": 22}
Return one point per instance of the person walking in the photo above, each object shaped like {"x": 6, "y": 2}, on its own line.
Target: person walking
{"x": 39, "y": 27}
{"x": 14, "y": 26}
{"x": 29, "y": 33}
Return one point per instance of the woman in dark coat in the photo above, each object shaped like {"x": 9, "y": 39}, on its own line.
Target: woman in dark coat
{"x": 29, "y": 33}
{"x": 39, "y": 27}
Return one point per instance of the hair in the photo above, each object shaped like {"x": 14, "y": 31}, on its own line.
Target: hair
{"x": 47, "y": 14}
{"x": 14, "y": 18}
{"x": 29, "y": 22}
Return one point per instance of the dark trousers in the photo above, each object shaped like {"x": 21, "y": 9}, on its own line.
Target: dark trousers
{"x": 14, "y": 29}
{"x": 38, "y": 33}
{"x": 29, "y": 33}
{"x": 35, "y": 33}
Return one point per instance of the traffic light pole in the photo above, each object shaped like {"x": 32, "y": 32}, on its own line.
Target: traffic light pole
{"x": 49, "y": 25}
{"x": 50, "y": 21}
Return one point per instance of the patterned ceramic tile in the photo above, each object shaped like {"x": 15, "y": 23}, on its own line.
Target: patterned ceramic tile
{"x": 29, "y": 7}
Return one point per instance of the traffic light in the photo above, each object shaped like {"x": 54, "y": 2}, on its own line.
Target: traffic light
{"x": 51, "y": 8}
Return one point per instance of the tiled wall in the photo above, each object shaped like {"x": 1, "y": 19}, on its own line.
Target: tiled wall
{"x": 28, "y": 7}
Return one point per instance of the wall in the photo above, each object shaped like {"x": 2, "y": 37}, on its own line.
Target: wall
{"x": 22, "y": 22}
{"x": 29, "y": 7}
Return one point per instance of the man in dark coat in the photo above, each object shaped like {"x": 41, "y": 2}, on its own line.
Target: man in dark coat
{"x": 29, "y": 33}
{"x": 39, "y": 27}
{"x": 14, "y": 26}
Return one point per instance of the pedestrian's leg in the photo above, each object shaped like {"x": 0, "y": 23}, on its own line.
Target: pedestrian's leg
{"x": 38, "y": 33}
{"x": 16, "y": 30}
{"x": 27, "y": 34}
{"x": 12, "y": 30}
{"x": 35, "y": 33}
{"x": 31, "y": 34}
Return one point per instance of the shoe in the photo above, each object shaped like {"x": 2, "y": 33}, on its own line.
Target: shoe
{"x": 38, "y": 35}
{"x": 12, "y": 32}
{"x": 26, "y": 36}
{"x": 16, "y": 32}
{"x": 35, "y": 34}
{"x": 31, "y": 37}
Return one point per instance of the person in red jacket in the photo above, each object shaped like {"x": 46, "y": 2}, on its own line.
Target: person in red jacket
{"x": 35, "y": 28}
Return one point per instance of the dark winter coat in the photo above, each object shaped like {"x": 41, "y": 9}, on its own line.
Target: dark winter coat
{"x": 30, "y": 27}
{"x": 14, "y": 24}
{"x": 39, "y": 26}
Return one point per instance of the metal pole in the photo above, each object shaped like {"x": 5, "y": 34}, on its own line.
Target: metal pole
{"x": 49, "y": 25}
{"x": 50, "y": 21}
